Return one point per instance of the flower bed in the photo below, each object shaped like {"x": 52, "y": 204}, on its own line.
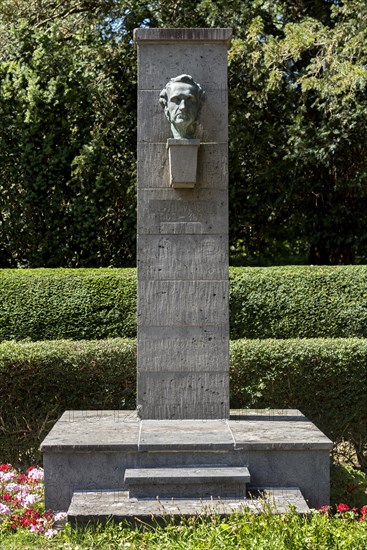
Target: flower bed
{"x": 22, "y": 509}
{"x": 21, "y": 502}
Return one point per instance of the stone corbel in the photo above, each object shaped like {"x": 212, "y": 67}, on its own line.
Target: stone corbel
{"x": 183, "y": 158}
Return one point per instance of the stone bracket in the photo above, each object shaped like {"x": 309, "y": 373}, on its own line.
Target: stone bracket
{"x": 183, "y": 159}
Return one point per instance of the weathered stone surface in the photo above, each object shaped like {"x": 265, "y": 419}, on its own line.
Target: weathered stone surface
{"x": 107, "y": 430}
{"x": 153, "y": 171}
{"x": 183, "y": 257}
{"x": 182, "y": 348}
{"x": 186, "y": 475}
{"x": 172, "y": 35}
{"x": 183, "y": 161}
{"x": 175, "y": 59}
{"x": 195, "y": 482}
{"x": 182, "y": 303}
{"x": 187, "y": 435}
{"x": 99, "y": 506}
{"x": 197, "y": 394}
{"x": 265, "y": 430}
{"x": 182, "y": 233}
{"x": 159, "y": 210}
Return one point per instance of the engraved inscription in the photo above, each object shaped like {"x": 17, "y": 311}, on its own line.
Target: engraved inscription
{"x": 179, "y": 303}
{"x": 182, "y": 257}
{"x": 188, "y": 211}
{"x": 181, "y": 228}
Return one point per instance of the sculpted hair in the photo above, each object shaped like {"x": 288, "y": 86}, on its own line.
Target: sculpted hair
{"x": 187, "y": 79}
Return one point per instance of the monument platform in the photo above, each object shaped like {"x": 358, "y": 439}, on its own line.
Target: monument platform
{"x": 89, "y": 452}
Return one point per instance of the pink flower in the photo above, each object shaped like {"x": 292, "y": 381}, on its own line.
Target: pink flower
{"x": 50, "y": 533}
{"x": 29, "y": 500}
{"x": 60, "y": 516}
{"x": 4, "y": 509}
{"x": 13, "y": 487}
{"x": 35, "y": 473}
{"x": 5, "y": 476}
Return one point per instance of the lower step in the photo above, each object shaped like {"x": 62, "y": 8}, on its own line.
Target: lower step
{"x": 193, "y": 482}
{"x": 98, "y": 507}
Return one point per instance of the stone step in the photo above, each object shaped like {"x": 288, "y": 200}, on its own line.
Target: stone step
{"x": 100, "y": 506}
{"x": 193, "y": 482}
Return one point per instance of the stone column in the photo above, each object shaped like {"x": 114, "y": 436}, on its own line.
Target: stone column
{"x": 183, "y": 328}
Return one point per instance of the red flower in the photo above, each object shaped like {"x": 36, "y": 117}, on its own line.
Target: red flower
{"x": 31, "y": 468}
{"x": 342, "y": 508}
{"x": 5, "y": 467}
{"x": 22, "y": 478}
{"x": 363, "y": 513}
{"x": 6, "y": 497}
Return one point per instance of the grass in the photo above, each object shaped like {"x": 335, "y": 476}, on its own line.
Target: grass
{"x": 265, "y": 531}
{"x": 246, "y": 531}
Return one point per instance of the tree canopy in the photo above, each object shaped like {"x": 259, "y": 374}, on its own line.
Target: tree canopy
{"x": 297, "y": 113}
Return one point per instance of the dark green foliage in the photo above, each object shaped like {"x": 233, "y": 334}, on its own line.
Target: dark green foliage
{"x": 272, "y": 302}
{"x": 297, "y": 112}
{"x": 40, "y": 380}
{"x": 45, "y": 304}
{"x": 298, "y": 302}
{"x": 325, "y": 378}
{"x": 67, "y": 138}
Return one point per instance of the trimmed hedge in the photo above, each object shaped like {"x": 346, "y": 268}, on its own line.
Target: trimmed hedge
{"x": 39, "y": 380}
{"x": 299, "y": 302}
{"x": 265, "y": 302}
{"x": 49, "y": 304}
{"x": 325, "y": 378}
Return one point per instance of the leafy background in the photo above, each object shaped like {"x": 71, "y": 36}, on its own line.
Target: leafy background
{"x": 297, "y": 112}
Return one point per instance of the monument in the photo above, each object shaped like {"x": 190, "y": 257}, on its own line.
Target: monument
{"x": 182, "y": 449}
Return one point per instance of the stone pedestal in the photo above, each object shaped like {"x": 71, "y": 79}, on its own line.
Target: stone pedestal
{"x": 88, "y": 453}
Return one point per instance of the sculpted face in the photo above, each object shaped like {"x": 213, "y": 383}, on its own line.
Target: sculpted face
{"x": 182, "y": 106}
{"x": 182, "y": 99}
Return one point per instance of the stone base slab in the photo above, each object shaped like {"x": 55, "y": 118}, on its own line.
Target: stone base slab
{"x": 91, "y": 507}
{"x": 90, "y": 450}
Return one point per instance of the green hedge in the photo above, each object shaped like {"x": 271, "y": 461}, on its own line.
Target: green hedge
{"x": 39, "y": 380}
{"x": 299, "y": 302}
{"x": 325, "y": 378}
{"x": 265, "y": 302}
{"x": 48, "y": 304}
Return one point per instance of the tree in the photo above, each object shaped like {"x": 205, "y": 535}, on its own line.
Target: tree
{"x": 299, "y": 163}
{"x": 67, "y": 138}
{"x": 297, "y": 111}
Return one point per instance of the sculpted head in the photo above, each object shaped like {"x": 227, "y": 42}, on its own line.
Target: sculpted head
{"x": 182, "y": 99}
